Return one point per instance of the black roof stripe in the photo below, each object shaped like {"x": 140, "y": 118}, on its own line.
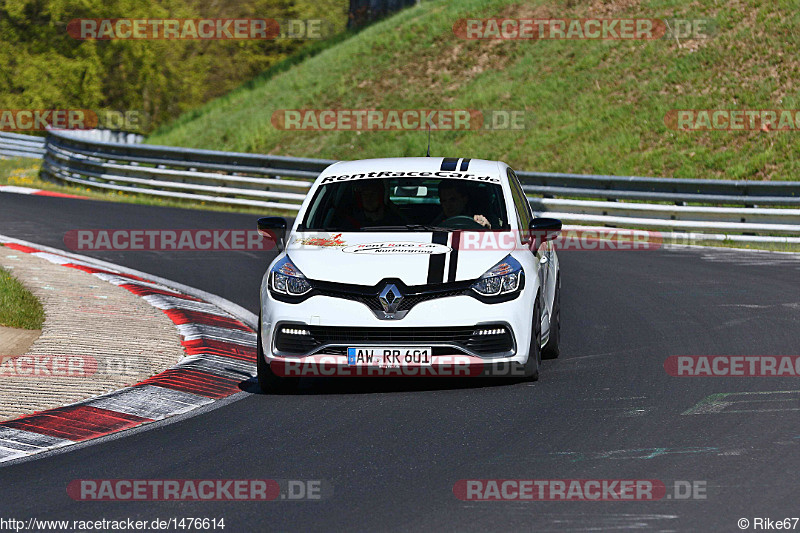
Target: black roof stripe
{"x": 449, "y": 163}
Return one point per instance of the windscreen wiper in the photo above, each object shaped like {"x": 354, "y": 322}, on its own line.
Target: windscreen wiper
{"x": 412, "y": 227}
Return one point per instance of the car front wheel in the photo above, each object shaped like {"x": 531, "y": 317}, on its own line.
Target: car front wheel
{"x": 531, "y": 368}
{"x": 551, "y": 349}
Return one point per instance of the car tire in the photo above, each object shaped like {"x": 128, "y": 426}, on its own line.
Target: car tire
{"x": 268, "y": 381}
{"x": 552, "y": 350}
{"x": 534, "y": 362}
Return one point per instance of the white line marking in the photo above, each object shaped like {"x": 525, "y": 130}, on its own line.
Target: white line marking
{"x": 202, "y": 331}
{"x": 219, "y": 365}
{"x": 149, "y": 401}
{"x": 164, "y": 303}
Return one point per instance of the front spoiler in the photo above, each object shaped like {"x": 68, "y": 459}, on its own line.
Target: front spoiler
{"x": 464, "y": 366}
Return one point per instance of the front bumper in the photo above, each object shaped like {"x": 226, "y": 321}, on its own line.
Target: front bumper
{"x": 428, "y": 324}
{"x": 489, "y": 340}
{"x": 442, "y": 366}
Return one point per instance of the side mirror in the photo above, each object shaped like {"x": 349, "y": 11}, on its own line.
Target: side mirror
{"x": 543, "y": 230}
{"x": 274, "y": 230}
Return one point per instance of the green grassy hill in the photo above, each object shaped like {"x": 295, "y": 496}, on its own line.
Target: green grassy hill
{"x": 592, "y": 106}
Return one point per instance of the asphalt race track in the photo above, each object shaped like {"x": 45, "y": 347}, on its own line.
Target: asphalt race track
{"x": 392, "y": 450}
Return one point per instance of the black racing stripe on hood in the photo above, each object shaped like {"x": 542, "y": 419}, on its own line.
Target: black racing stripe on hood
{"x": 451, "y": 274}
{"x": 464, "y": 165}
{"x": 449, "y": 163}
{"x": 436, "y": 261}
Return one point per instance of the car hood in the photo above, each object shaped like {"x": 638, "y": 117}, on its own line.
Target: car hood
{"x": 416, "y": 258}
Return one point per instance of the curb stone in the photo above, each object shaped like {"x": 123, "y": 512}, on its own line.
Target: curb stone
{"x": 220, "y": 349}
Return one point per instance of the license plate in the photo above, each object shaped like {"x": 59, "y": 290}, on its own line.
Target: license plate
{"x": 389, "y": 356}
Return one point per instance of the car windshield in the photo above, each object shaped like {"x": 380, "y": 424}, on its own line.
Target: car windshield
{"x": 407, "y": 204}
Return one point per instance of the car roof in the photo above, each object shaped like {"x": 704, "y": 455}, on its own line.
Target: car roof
{"x": 415, "y": 164}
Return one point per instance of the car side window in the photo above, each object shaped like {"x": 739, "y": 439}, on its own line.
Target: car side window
{"x": 523, "y": 207}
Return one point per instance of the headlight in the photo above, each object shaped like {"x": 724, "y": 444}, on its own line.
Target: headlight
{"x": 285, "y": 278}
{"x": 503, "y": 278}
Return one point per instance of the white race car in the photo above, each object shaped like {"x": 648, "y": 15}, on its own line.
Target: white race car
{"x": 410, "y": 267}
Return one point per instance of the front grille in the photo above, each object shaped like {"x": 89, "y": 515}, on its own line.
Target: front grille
{"x": 466, "y": 337}
{"x": 411, "y": 295}
{"x": 345, "y": 335}
{"x": 410, "y": 301}
{"x": 370, "y": 301}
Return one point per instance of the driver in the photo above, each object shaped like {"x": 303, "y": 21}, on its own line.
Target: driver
{"x": 373, "y": 208}
{"x": 454, "y": 200}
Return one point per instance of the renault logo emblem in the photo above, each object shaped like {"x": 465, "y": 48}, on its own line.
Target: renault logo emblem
{"x": 390, "y": 298}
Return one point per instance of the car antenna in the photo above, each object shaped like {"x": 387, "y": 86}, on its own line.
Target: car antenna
{"x": 429, "y": 141}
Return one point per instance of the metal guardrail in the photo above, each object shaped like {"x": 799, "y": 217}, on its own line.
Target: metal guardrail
{"x": 228, "y": 178}
{"x": 111, "y": 136}
{"x": 717, "y": 192}
{"x": 735, "y": 208}
{"x": 672, "y": 217}
{"x": 16, "y": 145}
{"x": 721, "y": 212}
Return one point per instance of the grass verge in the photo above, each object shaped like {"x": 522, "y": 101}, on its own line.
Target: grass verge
{"x": 18, "y": 307}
